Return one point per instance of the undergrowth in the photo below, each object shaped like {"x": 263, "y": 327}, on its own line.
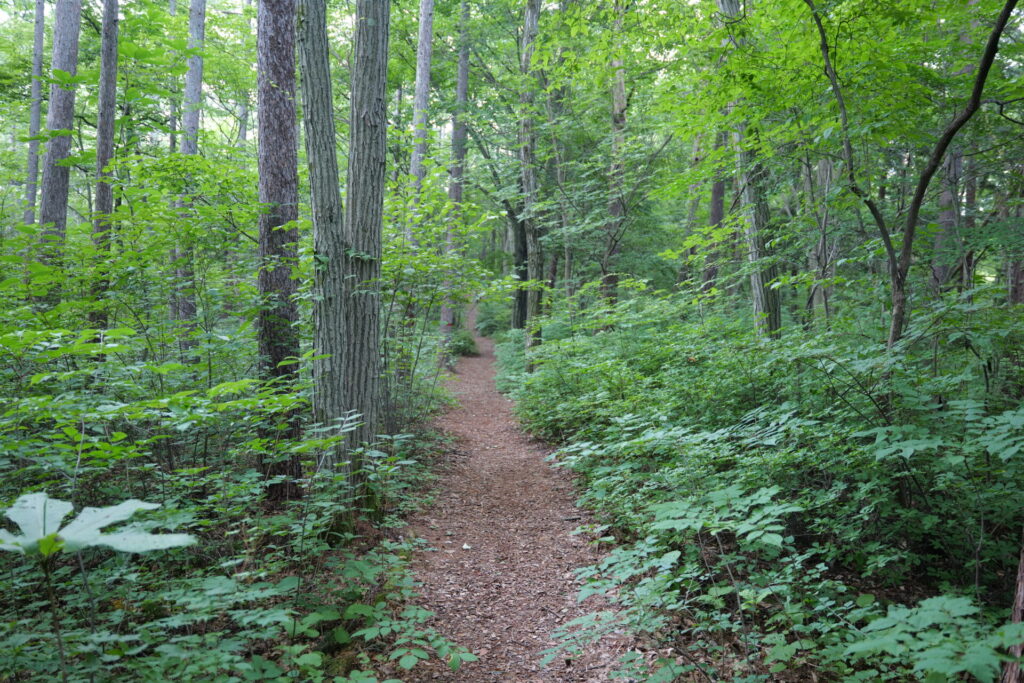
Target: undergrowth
{"x": 313, "y": 589}
{"x": 786, "y": 508}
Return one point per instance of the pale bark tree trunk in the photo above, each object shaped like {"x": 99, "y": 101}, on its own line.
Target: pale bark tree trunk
{"x": 820, "y": 257}
{"x": 421, "y": 95}
{"x": 243, "y": 106}
{"x": 104, "y": 204}
{"x": 716, "y": 216}
{"x": 184, "y": 299}
{"x": 455, "y": 186}
{"x": 330, "y": 404}
{"x": 279, "y": 192}
{"x": 527, "y": 157}
{"x": 53, "y": 199}
{"x": 752, "y": 175}
{"x": 361, "y": 373}
{"x": 35, "y": 115}
{"x": 172, "y": 115}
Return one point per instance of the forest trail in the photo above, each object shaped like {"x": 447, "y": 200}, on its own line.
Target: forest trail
{"x": 514, "y": 585}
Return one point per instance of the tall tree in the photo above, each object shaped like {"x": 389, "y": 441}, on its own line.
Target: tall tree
{"x": 364, "y": 216}
{"x": 421, "y": 94}
{"x": 53, "y": 199}
{"x": 104, "y": 203}
{"x": 276, "y": 328}
{"x": 35, "y": 115}
{"x": 330, "y": 398}
{"x": 752, "y": 176}
{"x": 458, "y": 166}
{"x": 528, "y": 160}
{"x": 183, "y": 304}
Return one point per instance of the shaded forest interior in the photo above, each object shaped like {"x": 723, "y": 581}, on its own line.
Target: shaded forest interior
{"x": 755, "y": 268}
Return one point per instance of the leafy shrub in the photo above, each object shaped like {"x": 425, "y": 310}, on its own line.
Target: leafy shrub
{"x": 493, "y": 317}
{"x": 462, "y": 343}
{"x": 762, "y": 492}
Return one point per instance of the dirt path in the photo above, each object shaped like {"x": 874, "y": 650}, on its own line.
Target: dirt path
{"x": 514, "y": 585}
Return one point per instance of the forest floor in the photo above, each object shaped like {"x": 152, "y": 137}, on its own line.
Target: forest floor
{"x": 499, "y": 576}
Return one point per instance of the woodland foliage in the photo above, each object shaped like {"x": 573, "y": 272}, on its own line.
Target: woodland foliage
{"x": 700, "y": 218}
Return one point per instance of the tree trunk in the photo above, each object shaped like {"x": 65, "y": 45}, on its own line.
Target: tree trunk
{"x": 330, "y": 404}
{"x": 172, "y": 114}
{"x": 767, "y": 308}
{"x": 32, "y": 174}
{"x": 276, "y": 328}
{"x": 104, "y": 153}
{"x": 364, "y": 216}
{"x": 243, "y": 106}
{"x": 421, "y": 96}
{"x": 458, "y": 160}
{"x": 716, "y": 216}
{"x": 1015, "y": 268}
{"x": 616, "y": 177}
{"x": 53, "y": 199}
{"x": 949, "y": 218}
{"x": 1011, "y": 672}
{"x": 528, "y": 160}
{"x": 183, "y": 303}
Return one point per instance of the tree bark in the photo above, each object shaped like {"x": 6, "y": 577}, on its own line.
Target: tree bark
{"x": 1012, "y": 672}
{"x": 276, "y": 328}
{"x": 949, "y": 218}
{"x": 35, "y": 115}
{"x": 767, "y": 308}
{"x": 183, "y": 301}
{"x": 752, "y": 176}
{"x": 421, "y": 95}
{"x": 528, "y": 160}
{"x": 330, "y": 405}
{"x": 616, "y": 176}
{"x": 104, "y": 204}
{"x": 364, "y": 216}
{"x": 53, "y": 199}
{"x": 243, "y": 106}
{"x": 455, "y": 186}
{"x": 716, "y": 217}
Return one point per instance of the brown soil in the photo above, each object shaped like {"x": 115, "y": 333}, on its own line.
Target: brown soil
{"x": 504, "y": 594}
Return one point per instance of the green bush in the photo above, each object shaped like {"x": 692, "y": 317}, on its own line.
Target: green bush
{"x": 462, "y": 343}
{"x": 763, "y": 491}
{"x": 493, "y": 317}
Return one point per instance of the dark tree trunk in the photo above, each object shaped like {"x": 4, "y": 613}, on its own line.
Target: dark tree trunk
{"x": 279, "y": 193}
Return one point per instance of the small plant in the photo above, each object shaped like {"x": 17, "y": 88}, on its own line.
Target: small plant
{"x": 39, "y": 517}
